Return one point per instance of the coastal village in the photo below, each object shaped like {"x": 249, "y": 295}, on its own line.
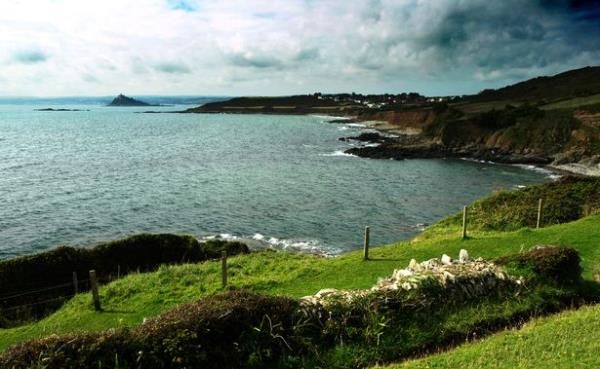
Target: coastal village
{"x": 384, "y": 101}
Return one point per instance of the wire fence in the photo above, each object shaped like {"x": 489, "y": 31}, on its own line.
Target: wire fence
{"x": 31, "y": 292}
{"x": 43, "y": 302}
{"x": 74, "y": 286}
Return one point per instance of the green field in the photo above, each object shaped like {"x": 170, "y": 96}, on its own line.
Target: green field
{"x": 573, "y": 103}
{"x": 567, "y": 340}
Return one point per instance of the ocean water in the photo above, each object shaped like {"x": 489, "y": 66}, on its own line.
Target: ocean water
{"x": 79, "y": 178}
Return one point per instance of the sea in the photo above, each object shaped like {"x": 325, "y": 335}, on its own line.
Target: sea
{"x": 79, "y": 178}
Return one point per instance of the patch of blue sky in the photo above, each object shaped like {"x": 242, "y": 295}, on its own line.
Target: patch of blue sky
{"x": 185, "y": 5}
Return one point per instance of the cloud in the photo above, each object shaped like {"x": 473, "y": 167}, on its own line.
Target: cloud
{"x": 173, "y": 68}
{"x": 250, "y": 59}
{"x": 30, "y": 57}
{"x": 240, "y": 47}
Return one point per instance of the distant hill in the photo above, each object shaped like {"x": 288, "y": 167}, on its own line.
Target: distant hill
{"x": 570, "y": 84}
{"x": 123, "y": 100}
{"x": 297, "y": 104}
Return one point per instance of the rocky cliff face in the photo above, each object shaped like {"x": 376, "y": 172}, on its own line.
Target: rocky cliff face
{"x": 404, "y": 122}
{"x": 564, "y": 138}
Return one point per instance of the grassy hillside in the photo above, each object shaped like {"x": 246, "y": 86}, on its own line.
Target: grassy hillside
{"x": 573, "y": 83}
{"x": 567, "y": 340}
{"x": 574, "y": 103}
{"x": 129, "y": 300}
{"x": 298, "y": 104}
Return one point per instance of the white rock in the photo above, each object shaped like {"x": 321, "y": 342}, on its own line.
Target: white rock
{"x": 446, "y": 260}
{"x": 404, "y": 273}
{"x": 406, "y": 286}
{"x": 449, "y": 276}
{"x": 463, "y": 256}
{"x": 326, "y": 292}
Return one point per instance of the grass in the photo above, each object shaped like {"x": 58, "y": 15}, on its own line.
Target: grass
{"x": 128, "y": 301}
{"x": 573, "y": 103}
{"x": 481, "y": 107}
{"x": 567, "y": 340}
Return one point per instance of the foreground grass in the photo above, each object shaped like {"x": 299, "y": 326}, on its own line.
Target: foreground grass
{"x": 566, "y": 340}
{"x": 128, "y": 301}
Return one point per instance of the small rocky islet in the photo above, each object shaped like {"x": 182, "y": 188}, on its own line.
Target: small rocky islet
{"x": 122, "y": 100}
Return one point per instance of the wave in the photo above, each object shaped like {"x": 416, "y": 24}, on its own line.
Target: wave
{"x": 260, "y": 242}
{"x": 338, "y": 153}
{"x": 549, "y": 173}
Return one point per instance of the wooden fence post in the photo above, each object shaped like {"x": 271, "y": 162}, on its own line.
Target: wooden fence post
{"x": 539, "y": 212}
{"x": 75, "y": 283}
{"x": 464, "y": 227}
{"x": 118, "y": 271}
{"x": 224, "y": 268}
{"x": 366, "y": 245}
{"x": 95, "y": 295}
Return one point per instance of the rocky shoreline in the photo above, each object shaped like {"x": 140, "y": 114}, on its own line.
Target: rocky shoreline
{"x": 395, "y": 148}
{"x": 381, "y": 144}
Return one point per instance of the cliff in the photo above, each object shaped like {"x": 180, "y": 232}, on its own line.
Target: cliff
{"x": 557, "y": 123}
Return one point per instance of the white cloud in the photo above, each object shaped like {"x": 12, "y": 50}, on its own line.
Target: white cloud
{"x": 66, "y": 47}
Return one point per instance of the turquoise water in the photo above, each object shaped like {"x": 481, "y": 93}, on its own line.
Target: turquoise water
{"x": 78, "y": 178}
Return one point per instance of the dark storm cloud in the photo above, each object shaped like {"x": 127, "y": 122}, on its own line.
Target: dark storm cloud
{"x": 30, "y": 57}
{"x": 173, "y": 68}
{"x": 512, "y": 34}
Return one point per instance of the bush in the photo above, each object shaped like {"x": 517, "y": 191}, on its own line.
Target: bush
{"x": 213, "y": 249}
{"x": 565, "y": 200}
{"x": 231, "y": 330}
{"x": 55, "y": 267}
{"x": 559, "y": 265}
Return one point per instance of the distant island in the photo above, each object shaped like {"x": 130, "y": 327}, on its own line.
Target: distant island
{"x": 52, "y": 109}
{"x": 123, "y": 100}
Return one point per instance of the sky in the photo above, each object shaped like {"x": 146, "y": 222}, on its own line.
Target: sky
{"x": 256, "y": 47}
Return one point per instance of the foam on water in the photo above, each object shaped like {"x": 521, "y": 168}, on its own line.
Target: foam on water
{"x": 339, "y": 153}
{"x": 258, "y": 241}
{"x": 547, "y": 172}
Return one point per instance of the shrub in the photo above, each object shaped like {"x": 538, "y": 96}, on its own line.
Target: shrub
{"x": 564, "y": 200}
{"x": 231, "y": 330}
{"x": 213, "y": 249}
{"x": 55, "y": 267}
{"x": 558, "y": 265}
